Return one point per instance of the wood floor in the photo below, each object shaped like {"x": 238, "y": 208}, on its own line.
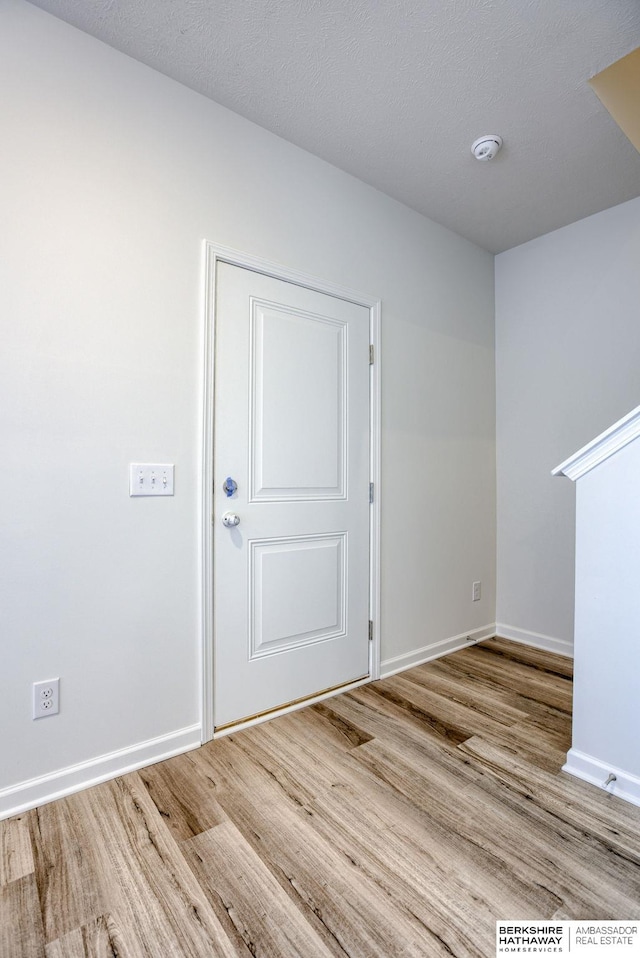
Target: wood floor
{"x": 400, "y": 819}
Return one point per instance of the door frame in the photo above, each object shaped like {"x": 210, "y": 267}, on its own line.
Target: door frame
{"x": 214, "y": 254}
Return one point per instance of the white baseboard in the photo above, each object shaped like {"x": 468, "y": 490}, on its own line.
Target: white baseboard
{"x": 47, "y": 788}
{"x": 428, "y": 652}
{"x": 590, "y": 769}
{"x": 535, "y": 639}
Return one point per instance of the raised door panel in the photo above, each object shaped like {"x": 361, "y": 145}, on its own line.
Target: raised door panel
{"x": 298, "y": 591}
{"x": 298, "y": 409}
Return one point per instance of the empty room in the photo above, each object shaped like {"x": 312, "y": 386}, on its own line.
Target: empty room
{"x": 320, "y": 432}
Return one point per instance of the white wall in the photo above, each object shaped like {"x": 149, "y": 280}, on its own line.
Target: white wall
{"x": 112, "y": 176}
{"x": 606, "y": 705}
{"x": 567, "y": 360}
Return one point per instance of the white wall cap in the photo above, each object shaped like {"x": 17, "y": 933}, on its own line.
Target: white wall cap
{"x": 609, "y": 442}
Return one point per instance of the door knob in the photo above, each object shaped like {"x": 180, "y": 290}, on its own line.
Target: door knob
{"x": 230, "y": 519}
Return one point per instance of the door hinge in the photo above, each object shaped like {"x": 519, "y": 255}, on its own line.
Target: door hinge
{"x": 370, "y": 631}
{"x": 371, "y": 354}
{"x": 370, "y": 493}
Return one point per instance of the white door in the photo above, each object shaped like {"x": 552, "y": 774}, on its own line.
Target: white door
{"x": 291, "y": 580}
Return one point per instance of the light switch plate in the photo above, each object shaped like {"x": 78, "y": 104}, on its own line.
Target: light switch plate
{"x": 151, "y": 479}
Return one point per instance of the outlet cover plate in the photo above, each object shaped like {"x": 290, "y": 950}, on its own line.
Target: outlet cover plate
{"x": 46, "y": 698}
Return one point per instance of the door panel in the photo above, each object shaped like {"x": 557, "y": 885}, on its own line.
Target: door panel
{"x": 298, "y": 375}
{"x": 291, "y": 581}
{"x": 298, "y": 592}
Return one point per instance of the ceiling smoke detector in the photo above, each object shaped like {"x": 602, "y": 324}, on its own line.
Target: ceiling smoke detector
{"x": 486, "y": 147}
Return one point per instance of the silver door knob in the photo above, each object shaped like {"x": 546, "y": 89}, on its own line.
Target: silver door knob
{"x": 230, "y": 519}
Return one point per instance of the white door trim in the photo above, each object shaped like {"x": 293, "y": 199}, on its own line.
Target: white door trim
{"x": 212, "y": 255}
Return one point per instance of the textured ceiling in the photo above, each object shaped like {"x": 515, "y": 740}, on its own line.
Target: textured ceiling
{"x": 395, "y": 91}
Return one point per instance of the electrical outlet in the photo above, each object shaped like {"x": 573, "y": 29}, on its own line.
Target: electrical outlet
{"x": 46, "y": 698}
{"x": 475, "y": 595}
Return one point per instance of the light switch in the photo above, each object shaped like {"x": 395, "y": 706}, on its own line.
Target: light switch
{"x": 151, "y": 479}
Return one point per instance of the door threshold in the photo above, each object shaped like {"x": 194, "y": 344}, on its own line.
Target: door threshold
{"x": 259, "y": 717}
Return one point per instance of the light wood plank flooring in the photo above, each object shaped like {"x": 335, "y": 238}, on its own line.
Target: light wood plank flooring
{"x": 400, "y": 819}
